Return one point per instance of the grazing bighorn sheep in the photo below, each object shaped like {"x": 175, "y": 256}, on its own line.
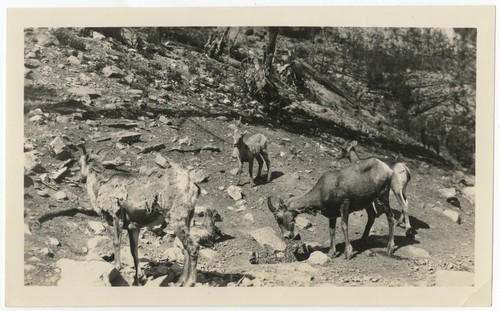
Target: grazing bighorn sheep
{"x": 429, "y": 140}
{"x": 401, "y": 176}
{"x": 137, "y": 200}
{"x": 254, "y": 147}
{"x": 336, "y": 194}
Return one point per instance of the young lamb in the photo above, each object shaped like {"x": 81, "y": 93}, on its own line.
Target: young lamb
{"x": 254, "y": 147}
{"x": 429, "y": 141}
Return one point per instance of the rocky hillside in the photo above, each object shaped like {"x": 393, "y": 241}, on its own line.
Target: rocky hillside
{"x": 146, "y": 102}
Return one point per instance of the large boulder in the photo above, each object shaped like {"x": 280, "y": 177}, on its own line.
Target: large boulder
{"x": 88, "y": 273}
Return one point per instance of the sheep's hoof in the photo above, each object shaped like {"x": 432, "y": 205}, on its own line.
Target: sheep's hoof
{"x": 333, "y": 254}
{"x": 410, "y": 233}
{"x": 391, "y": 250}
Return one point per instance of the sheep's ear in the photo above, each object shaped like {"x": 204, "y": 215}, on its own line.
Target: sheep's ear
{"x": 354, "y": 143}
{"x": 245, "y": 132}
{"x": 282, "y": 204}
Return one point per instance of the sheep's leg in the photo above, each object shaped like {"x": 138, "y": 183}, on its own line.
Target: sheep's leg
{"x": 240, "y": 166}
{"x": 403, "y": 202}
{"x": 332, "y": 222}
{"x": 390, "y": 219}
{"x": 344, "y": 214}
{"x": 133, "y": 235}
{"x": 369, "y": 223}
{"x": 261, "y": 163}
{"x": 250, "y": 171}
{"x": 117, "y": 239}
{"x": 188, "y": 276}
{"x": 268, "y": 164}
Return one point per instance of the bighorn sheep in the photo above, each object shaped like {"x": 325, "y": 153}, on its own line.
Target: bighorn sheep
{"x": 254, "y": 147}
{"x": 137, "y": 200}
{"x": 336, "y": 194}
{"x": 400, "y": 178}
{"x": 429, "y": 140}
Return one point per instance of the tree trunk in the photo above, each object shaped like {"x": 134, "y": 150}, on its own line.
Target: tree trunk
{"x": 269, "y": 53}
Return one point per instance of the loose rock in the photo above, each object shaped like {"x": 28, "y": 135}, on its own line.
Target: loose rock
{"x": 208, "y": 254}
{"x": 59, "y": 148}
{"x": 60, "y": 195}
{"x": 97, "y": 227}
{"x": 161, "y": 161}
{"x": 413, "y": 252}
{"x": 83, "y": 91}
{"x": 453, "y": 215}
{"x": 249, "y": 217}
{"x": 198, "y": 176}
{"x": 129, "y": 137}
{"x": 469, "y": 193}
{"x": 267, "y": 236}
{"x": 174, "y": 254}
{"x": 99, "y": 247}
{"x": 113, "y": 72}
{"x": 448, "y": 192}
{"x": 302, "y": 222}
{"x": 246, "y": 282}
{"x": 235, "y": 192}
{"x": 54, "y": 242}
{"x": 27, "y": 229}
{"x": 318, "y": 258}
{"x": 59, "y": 175}
{"x": 150, "y": 148}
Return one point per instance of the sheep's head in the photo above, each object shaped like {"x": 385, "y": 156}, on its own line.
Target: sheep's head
{"x": 238, "y": 137}
{"x": 346, "y": 148}
{"x": 88, "y": 161}
{"x": 285, "y": 218}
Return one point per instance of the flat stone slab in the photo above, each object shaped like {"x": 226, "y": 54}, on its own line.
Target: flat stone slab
{"x": 413, "y": 252}
{"x": 88, "y": 273}
{"x": 267, "y": 236}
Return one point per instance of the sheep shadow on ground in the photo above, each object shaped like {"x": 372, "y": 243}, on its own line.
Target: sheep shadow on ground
{"x": 415, "y": 222}
{"x": 262, "y": 179}
{"x": 374, "y": 243}
{"x": 168, "y": 277}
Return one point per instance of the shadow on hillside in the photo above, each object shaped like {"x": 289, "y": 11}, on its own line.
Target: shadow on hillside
{"x": 302, "y": 124}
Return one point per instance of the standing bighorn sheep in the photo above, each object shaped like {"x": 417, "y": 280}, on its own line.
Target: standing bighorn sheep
{"x": 337, "y": 194}
{"x": 429, "y": 140}
{"x": 400, "y": 178}
{"x": 137, "y": 200}
{"x": 254, "y": 147}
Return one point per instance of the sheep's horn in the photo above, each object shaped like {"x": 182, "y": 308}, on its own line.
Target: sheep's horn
{"x": 99, "y": 151}
{"x": 82, "y": 146}
{"x": 270, "y": 205}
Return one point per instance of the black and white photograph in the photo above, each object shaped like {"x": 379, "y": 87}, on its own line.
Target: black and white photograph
{"x": 240, "y": 156}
